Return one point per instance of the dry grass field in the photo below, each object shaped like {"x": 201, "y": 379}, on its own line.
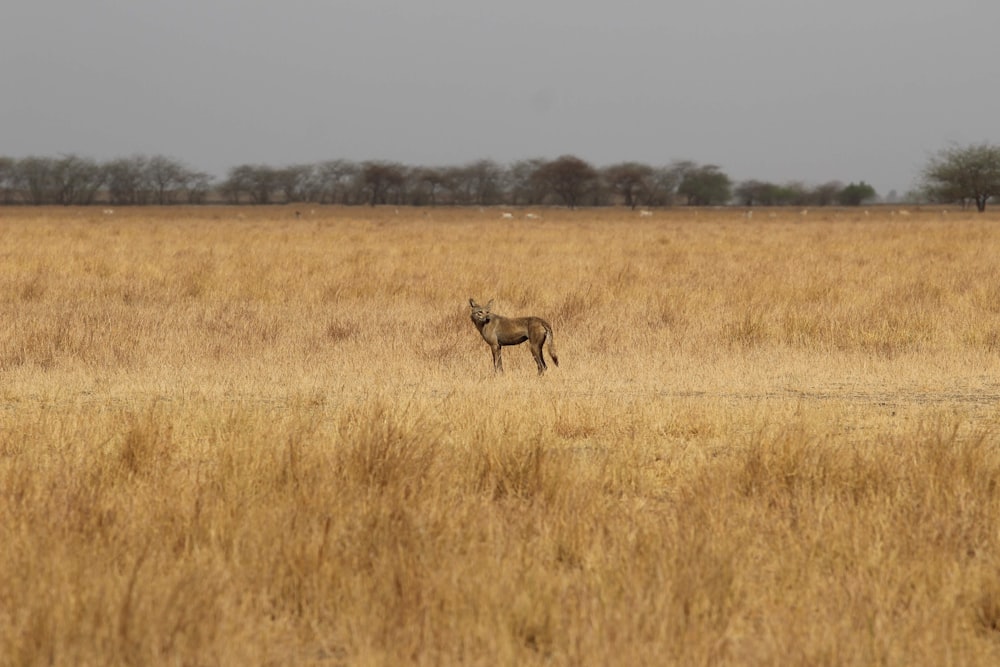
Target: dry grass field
{"x": 238, "y": 437}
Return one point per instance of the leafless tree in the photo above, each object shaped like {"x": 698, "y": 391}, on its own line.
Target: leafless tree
{"x": 126, "y": 180}
{"x": 522, "y": 188}
{"x": 78, "y": 179}
{"x": 293, "y": 182}
{"x": 166, "y": 177}
{"x": 35, "y": 180}
{"x": 335, "y": 179}
{"x": 259, "y": 183}
{"x": 8, "y": 170}
{"x": 383, "y": 181}
{"x": 67, "y": 180}
{"x": 754, "y": 193}
{"x": 485, "y": 180}
{"x": 239, "y": 182}
{"x": 429, "y": 183}
{"x": 568, "y": 177}
{"x": 663, "y": 185}
{"x": 631, "y": 181}
{"x": 476, "y": 183}
{"x": 825, "y": 194}
{"x": 197, "y": 185}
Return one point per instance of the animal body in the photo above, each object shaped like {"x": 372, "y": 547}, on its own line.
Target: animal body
{"x": 499, "y": 331}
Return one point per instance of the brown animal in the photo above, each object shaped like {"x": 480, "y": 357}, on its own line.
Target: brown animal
{"x": 498, "y": 331}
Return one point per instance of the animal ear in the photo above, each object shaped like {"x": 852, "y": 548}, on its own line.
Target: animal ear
{"x": 472, "y": 303}
{"x": 489, "y": 305}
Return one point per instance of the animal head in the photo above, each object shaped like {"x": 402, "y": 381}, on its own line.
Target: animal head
{"x": 480, "y": 314}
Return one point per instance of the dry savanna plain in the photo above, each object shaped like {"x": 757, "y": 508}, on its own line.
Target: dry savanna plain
{"x": 238, "y": 436}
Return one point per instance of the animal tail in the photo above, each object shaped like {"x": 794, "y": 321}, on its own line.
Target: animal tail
{"x": 552, "y": 346}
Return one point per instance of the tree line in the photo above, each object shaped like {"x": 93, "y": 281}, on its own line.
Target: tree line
{"x": 564, "y": 181}
{"x": 73, "y": 180}
{"x": 956, "y": 174}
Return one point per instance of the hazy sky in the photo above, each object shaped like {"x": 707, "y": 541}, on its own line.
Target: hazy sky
{"x": 776, "y": 90}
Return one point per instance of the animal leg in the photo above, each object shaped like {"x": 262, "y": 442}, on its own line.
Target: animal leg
{"x": 497, "y": 361}
{"x": 536, "y": 352}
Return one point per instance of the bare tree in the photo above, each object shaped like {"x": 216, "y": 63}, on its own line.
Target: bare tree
{"x": 663, "y": 184}
{"x": 166, "y": 176}
{"x": 825, "y": 194}
{"x": 485, "y": 178}
{"x": 293, "y": 182}
{"x": 382, "y": 181}
{"x": 336, "y": 180}
{"x": 429, "y": 183}
{"x": 259, "y": 182}
{"x": 476, "y": 183}
{"x": 35, "y": 180}
{"x": 665, "y": 181}
{"x": 8, "y": 170}
{"x": 126, "y": 180}
{"x": 239, "y": 182}
{"x": 753, "y": 193}
{"x": 78, "y": 179}
{"x": 66, "y": 181}
{"x": 521, "y": 185}
{"x": 461, "y": 186}
{"x": 197, "y": 185}
{"x": 630, "y": 181}
{"x": 569, "y": 177}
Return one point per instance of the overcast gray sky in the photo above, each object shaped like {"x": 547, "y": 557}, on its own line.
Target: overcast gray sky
{"x": 776, "y": 90}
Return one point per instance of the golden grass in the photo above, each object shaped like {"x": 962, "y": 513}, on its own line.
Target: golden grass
{"x": 234, "y": 437}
